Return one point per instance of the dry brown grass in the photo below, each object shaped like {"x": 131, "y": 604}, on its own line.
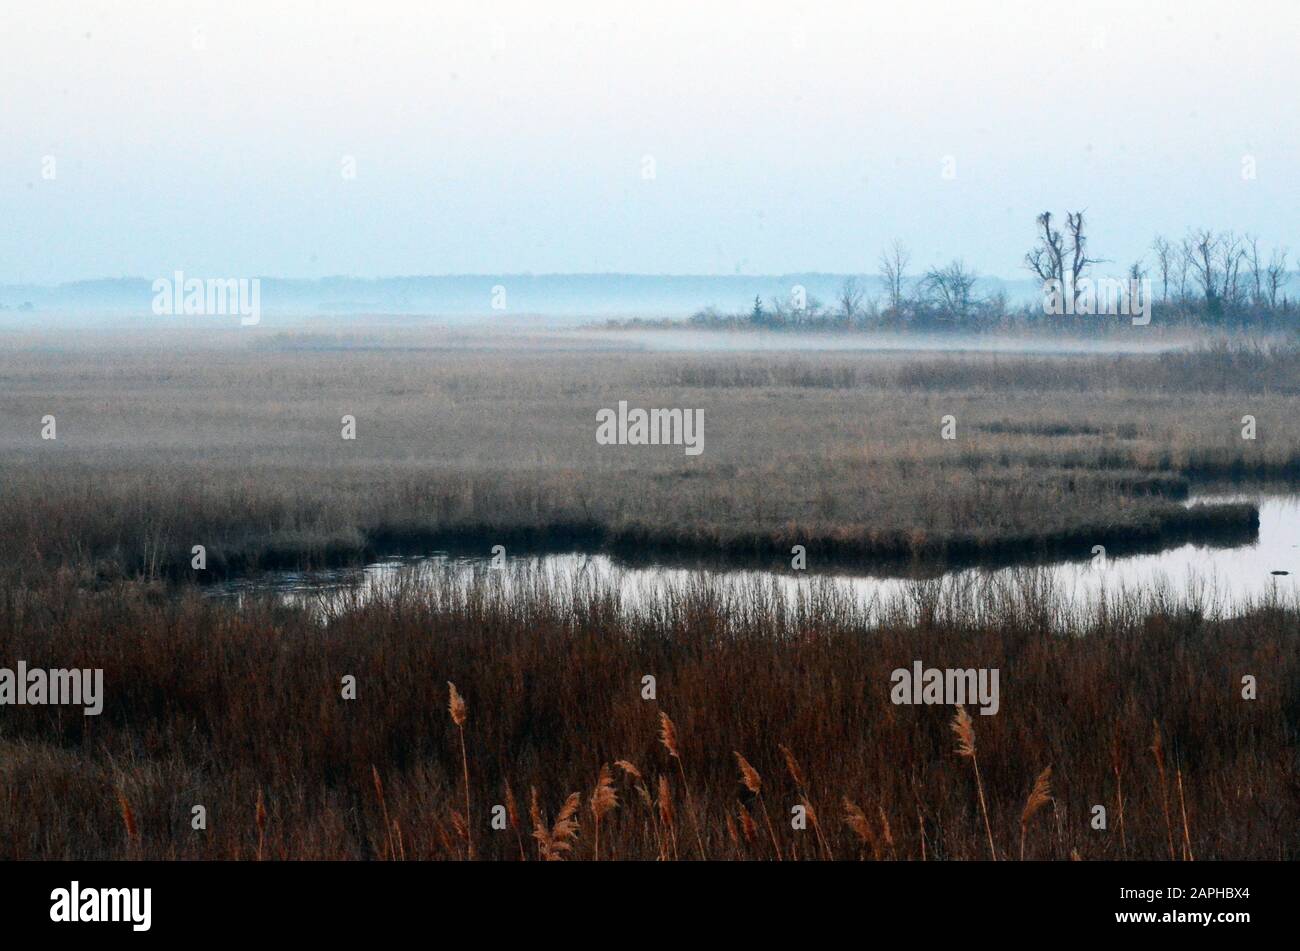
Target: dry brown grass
{"x": 231, "y": 707}
{"x": 238, "y": 448}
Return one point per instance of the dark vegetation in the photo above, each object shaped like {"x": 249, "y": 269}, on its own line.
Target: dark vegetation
{"x": 1210, "y": 280}
{"x": 240, "y": 710}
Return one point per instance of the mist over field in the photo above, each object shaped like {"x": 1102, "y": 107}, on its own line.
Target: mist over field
{"x": 562, "y": 298}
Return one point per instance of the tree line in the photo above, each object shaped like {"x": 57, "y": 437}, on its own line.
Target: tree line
{"x": 1208, "y": 277}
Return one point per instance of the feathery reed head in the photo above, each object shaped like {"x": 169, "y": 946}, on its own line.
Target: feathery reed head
{"x": 857, "y": 820}
{"x": 456, "y": 705}
{"x": 965, "y": 730}
{"x": 665, "y": 802}
{"x": 553, "y": 842}
{"x": 565, "y": 828}
{"x": 747, "y": 825}
{"x": 668, "y": 734}
{"x": 603, "y": 797}
{"x": 748, "y": 775}
{"x": 1039, "y": 796}
{"x": 792, "y": 765}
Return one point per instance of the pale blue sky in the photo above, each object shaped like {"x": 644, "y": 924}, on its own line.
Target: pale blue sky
{"x": 212, "y": 137}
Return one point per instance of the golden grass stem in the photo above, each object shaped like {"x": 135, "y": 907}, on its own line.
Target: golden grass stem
{"x": 459, "y": 713}
{"x": 965, "y": 730}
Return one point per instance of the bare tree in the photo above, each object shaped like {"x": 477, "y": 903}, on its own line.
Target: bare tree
{"x": 1061, "y": 257}
{"x": 1164, "y": 252}
{"x": 1275, "y": 276}
{"x": 1232, "y": 255}
{"x": 1250, "y": 253}
{"x": 1214, "y": 261}
{"x": 950, "y": 290}
{"x": 1079, "y": 260}
{"x": 1047, "y": 258}
{"x": 1201, "y": 251}
{"x": 893, "y": 271}
{"x": 850, "y": 299}
{"x": 1184, "y": 272}
{"x": 783, "y": 311}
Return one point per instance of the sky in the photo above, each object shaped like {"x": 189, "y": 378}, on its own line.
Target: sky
{"x": 384, "y": 138}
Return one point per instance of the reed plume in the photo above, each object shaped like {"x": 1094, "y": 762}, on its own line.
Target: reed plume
{"x": 666, "y": 815}
{"x": 747, "y": 826}
{"x": 1039, "y": 796}
{"x": 965, "y": 730}
{"x": 603, "y": 799}
{"x": 668, "y": 737}
{"x": 732, "y": 834}
{"x": 792, "y": 765}
{"x": 633, "y": 775}
{"x": 459, "y": 714}
{"x": 754, "y": 783}
{"x": 857, "y": 820}
{"x": 558, "y": 838}
{"x": 797, "y": 774}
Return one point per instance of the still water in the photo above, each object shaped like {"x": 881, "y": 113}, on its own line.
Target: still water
{"x": 1222, "y": 580}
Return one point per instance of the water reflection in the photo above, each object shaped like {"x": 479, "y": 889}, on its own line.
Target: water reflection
{"x": 1220, "y": 580}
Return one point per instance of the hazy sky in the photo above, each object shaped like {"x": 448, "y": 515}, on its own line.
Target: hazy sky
{"x": 491, "y": 137}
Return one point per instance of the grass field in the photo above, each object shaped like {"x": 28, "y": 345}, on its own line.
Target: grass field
{"x": 242, "y": 711}
{"x": 162, "y": 447}
{"x": 240, "y": 708}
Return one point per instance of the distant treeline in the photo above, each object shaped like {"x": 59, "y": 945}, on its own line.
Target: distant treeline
{"x": 1218, "y": 279}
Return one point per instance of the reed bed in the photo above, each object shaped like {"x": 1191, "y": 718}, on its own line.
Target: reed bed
{"x": 549, "y": 746}
{"x": 238, "y": 448}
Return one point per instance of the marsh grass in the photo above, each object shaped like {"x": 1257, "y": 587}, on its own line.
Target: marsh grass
{"x": 238, "y": 707}
{"x": 239, "y": 449}
{"x": 229, "y": 707}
